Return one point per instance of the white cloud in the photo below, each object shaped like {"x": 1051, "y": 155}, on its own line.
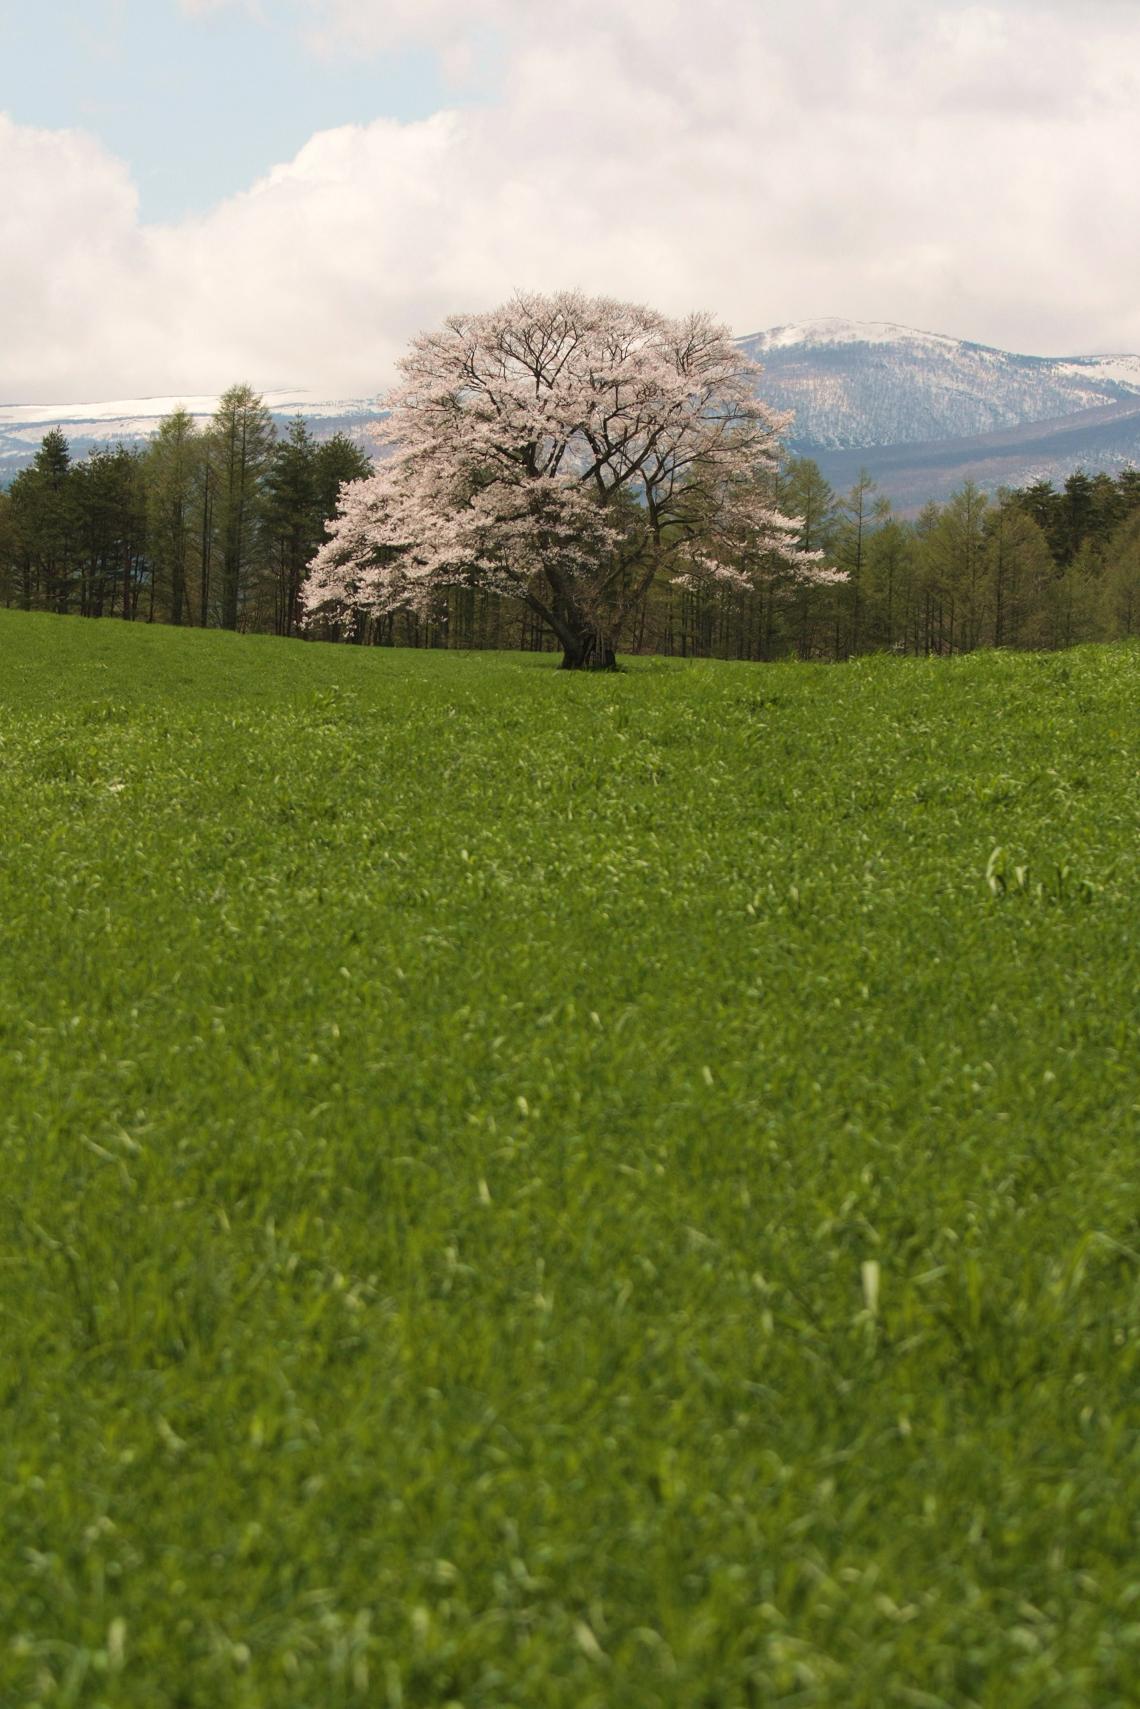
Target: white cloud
{"x": 966, "y": 168}
{"x": 72, "y": 260}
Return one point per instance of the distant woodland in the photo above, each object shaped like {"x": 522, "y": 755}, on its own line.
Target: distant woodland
{"x": 209, "y": 527}
{"x": 215, "y": 527}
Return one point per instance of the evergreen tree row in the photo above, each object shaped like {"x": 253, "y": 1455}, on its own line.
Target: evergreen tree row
{"x": 211, "y": 526}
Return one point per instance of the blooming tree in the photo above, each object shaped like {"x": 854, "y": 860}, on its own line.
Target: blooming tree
{"x": 565, "y": 451}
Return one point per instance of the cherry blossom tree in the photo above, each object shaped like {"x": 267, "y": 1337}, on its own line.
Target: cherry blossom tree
{"x": 564, "y": 450}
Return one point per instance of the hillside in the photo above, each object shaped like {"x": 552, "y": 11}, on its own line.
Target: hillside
{"x": 923, "y": 412}
{"x": 864, "y": 384}
{"x": 1107, "y": 438}
{"x": 539, "y": 1189}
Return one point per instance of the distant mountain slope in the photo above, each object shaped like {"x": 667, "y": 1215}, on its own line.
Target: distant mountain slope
{"x": 920, "y": 411}
{"x": 1107, "y": 438}
{"x": 132, "y": 421}
{"x": 862, "y": 384}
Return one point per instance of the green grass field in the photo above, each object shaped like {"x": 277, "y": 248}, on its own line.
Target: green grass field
{"x": 530, "y": 1190}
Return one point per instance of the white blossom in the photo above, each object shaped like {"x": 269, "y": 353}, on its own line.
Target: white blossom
{"x": 564, "y": 450}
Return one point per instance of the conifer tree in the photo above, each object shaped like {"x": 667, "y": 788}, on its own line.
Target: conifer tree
{"x": 43, "y": 499}
{"x": 172, "y": 469}
{"x": 241, "y": 441}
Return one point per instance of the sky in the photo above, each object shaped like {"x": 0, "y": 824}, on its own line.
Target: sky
{"x": 284, "y": 191}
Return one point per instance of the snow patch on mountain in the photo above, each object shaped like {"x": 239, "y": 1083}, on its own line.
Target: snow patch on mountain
{"x": 131, "y": 421}
{"x": 287, "y": 401}
{"x": 1124, "y": 370}
{"x": 873, "y": 383}
{"x": 830, "y": 332}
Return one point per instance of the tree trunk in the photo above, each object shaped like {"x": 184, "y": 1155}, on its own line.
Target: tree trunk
{"x": 231, "y": 573}
{"x": 589, "y": 651}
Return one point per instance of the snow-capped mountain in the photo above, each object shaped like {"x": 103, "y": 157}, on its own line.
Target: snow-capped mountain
{"x": 920, "y": 411}
{"x": 131, "y": 421}
{"x": 858, "y": 384}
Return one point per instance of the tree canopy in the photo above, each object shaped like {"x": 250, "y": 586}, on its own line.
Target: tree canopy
{"x": 566, "y": 451}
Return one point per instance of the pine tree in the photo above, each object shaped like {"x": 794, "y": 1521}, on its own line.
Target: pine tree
{"x": 890, "y": 584}
{"x": 43, "y": 500}
{"x": 338, "y": 460}
{"x": 863, "y": 509}
{"x": 302, "y": 488}
{"x": 806, "y": 495}
{"x": 172, "y": 470}
{"x": 242, "y": 439}
{"x": 959, "y": 552}
{"x": 1120, "y": 584}
{"x": 1019, "y": 567}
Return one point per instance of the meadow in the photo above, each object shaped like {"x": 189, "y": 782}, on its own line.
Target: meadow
{"x": 526, "y": 1190}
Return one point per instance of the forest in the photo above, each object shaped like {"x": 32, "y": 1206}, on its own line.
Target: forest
{"x": 208, "y": 527}
{"x": 216, "y": 526}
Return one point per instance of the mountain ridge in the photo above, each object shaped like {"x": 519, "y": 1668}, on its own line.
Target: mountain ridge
{"x": 870, "y": 384}
{"x": 921, "y": 411}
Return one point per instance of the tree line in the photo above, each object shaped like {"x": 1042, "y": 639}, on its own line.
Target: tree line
{"x": 1038, "y": 567}
{"x": 1035, "y": 567}
{"x": 216, "y": 527}
{"x": 210, "y": 526}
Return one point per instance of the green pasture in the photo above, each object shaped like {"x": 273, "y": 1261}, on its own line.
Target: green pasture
{"x": 536, "y": 1191}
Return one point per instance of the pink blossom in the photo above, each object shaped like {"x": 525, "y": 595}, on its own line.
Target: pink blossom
{"x": 565, "y": 451}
